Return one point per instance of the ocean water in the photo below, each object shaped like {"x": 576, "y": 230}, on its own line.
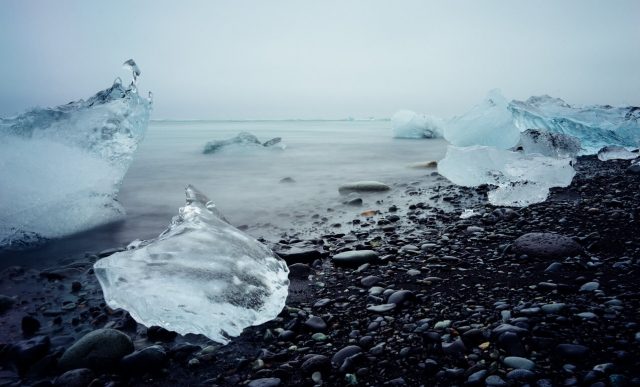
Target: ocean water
{"x": 245, "y": 182}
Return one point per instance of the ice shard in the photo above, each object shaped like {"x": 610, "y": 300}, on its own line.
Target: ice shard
{"x": 613, "y": 152}
{"x": 201, "y": 276}
{"x": 408, "y": 124}
{"x": 61, "y": 168}
{"x": 517, "y": 179}
{"x": 490, "y": 123}
{"x": 595, "y": 126}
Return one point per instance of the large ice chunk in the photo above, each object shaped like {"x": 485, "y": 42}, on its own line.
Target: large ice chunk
{"x": 201, "y": 275}
{"x": 408, "y": 124}
{"x": 520, "y": 179}
{"x": 242, "y": 140}
{"x": 61, "y": 168}
{"x": 549, "y": 144}
{"x": 596, "y": 126}
{"x": 490, "y": 123}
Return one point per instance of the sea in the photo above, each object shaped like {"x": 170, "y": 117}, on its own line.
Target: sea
{"x": 246, "y": 182}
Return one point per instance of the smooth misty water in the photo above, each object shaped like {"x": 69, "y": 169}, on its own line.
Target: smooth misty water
{"x": 245, "y": 182}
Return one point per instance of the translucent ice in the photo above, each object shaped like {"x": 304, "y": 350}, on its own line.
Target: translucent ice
{"x": 520, "y": 179}
{"x": 549, "y": 144}
{"x": 201, "y": 275}
{"x": 596, "y": 126}
{"x": 614, "y": 152}
{"x": 489, "y": 123}
{"x": 61, "y": 167}
{"x": 408, "y": 124}
{"x": 242, "y": 140}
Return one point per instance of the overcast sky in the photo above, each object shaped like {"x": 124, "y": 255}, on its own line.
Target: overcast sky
{"x": 319, "y": 59}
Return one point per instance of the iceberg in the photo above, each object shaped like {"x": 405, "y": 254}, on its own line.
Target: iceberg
{"x": 242, "y": 140}
{"x": 614, "y": 152}
{"x": 408, "y": 124}
{"x": 596, "y": 126}
{"x": 200, "y": 276}
{"x": 61, "y": 168}
{"x": 518, "y": 179}
{"x": 549, "y": 144}
{"x": 490, "y": 123}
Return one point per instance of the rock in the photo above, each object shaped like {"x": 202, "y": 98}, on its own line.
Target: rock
{"x": 156, "y": 333}
{"x": 287, "y": 180}
{"x": 80, "y": 377}
{"x": 633, "y": 169}
{"x": 454, "y": 348}
{"x": 495, "y": 381}
{"x": 546, "y": 246}
{"x": 299, "y": 271}
{"x": 519, "y": 362}
{"x": 346, "y": 352}
{"x": 369, "y": 281}
{"x": 589, "y": 287}
{"x": 381, "y": 308}
{"x": 424, "y": 165}
{"x": 355, "y": 257}
{"x": 400, "y": 297}
{"x": 29, "y": 325}
{"x": 511, "y": 343}
{"x": 553, "y": 268}
{"x": 299, "y": 255}
{"x": 363, "y": 186}
{"x": 476, "y": 377}
{"x": 100, "y": 349}
{"x": 354, "y": 202}
{"x": 265, "y": 382}
{"x": 521, "y": 375}
{"x": 553, "y": 308}
{"x": 316, "y": 363}
{"x": 500, "y": 329}
{"x": 6, "y": 303}
{"x": 27, "y": 352}
{"x": 571, "y": 351}
{"x": 148, "y": 360}
{"x": 316, "y": 323}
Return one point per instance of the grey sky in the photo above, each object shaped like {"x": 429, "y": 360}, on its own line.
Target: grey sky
{"x": 331, "y": 59}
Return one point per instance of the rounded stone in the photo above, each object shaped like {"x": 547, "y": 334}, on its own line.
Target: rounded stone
{"x": 355, "y": 257}
{"x": 100, "y": 349}
{"x": 363, "y": 186}
{"x": 546, "y": 245}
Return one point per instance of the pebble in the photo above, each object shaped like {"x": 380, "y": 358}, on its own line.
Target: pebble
{"x": 100, "y": 349}
{"x": 316, "y": 323}
{"x": 265, "y": 382}
{"x": 589, "y": 287}
{"x": 355, "y": 257}
{"x": 519, "y": 362}
{"x": 382, "y": 308}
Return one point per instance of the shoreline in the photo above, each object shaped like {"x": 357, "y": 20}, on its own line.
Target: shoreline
{"x": 471, "y": 303}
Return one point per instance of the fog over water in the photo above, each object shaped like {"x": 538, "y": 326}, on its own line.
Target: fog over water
{"x": 330, "y": 59}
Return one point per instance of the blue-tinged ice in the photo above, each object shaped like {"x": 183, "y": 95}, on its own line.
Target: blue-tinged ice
{"x": 549, "y": 143}
{"x": 596, "y": 126}
{"x": 490, "y": 123}
{"x": 200, "y": 276}
{"x": 408, "y": 124}
{"x": 61, "y": 168}
{"x": 518, "y": 179}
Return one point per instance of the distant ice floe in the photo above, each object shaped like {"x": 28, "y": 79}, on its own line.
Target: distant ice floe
{"x": 243, "y": 140}
{"x": 61, "y": 168}
{"x": 200, "y": 276}
{"x": 408, "y": 124}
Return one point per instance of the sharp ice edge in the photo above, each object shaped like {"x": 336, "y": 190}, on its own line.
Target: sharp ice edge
{"x": 200, "y": 276}
{"x": 408, "y": 124}
{"x": 62, "y": 167}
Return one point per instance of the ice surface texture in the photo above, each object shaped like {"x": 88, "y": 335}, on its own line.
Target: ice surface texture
{"x": 520, "y": 179}
{"x": 596, "y": 126}
{"x": 549, "y": 144}
{"x": 201, "y": 275}
{"x": 242, "y": 140}
{"x": 408, "y": 124}
{"x": 614, "y": 152}
{"x": 61, "y": 167}
{"x": 490, "y": 123}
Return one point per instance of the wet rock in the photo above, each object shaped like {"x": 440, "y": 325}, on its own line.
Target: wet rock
{"x": 27, "y": 352}
{"x": 299, "y": 271}
{"x": 346, "y": 352}
{"x": 80, "y": 377}
{"x": 400, "y": 297}
{"x": 148, "y": 360}
{"x": 546, "y": 246}
{"x": 316, "y": 323}
{"x": 29, "y": 325}
{"x": 381, "y": 308}
{"x": 298, "y": 254}
{"x": 571, "y": 351}
{"x": 370, "y": 280}
{"x": 519, "y": 362}
{"x": 98, "y": 350}
{"x": 355, "y": 257}
{"x": 316, "y": 363}
{"x": 6, "y": 303}
{"x": 265, "y": 382}
{"x": 156, "y": 333}
{"x": 363, "y": 186}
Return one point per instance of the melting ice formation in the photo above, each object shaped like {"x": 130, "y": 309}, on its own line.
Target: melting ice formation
{"x": 408, "y": 124}
{"x": 201, "y": 276}
{"x": 61, "y": 167}
{"x": 549, "y": 134}
{"x": 614, "y": 152}
{"x": 243, "y": 139}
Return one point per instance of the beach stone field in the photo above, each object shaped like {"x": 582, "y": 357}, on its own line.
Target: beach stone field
{"x": 407, "y": 294}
